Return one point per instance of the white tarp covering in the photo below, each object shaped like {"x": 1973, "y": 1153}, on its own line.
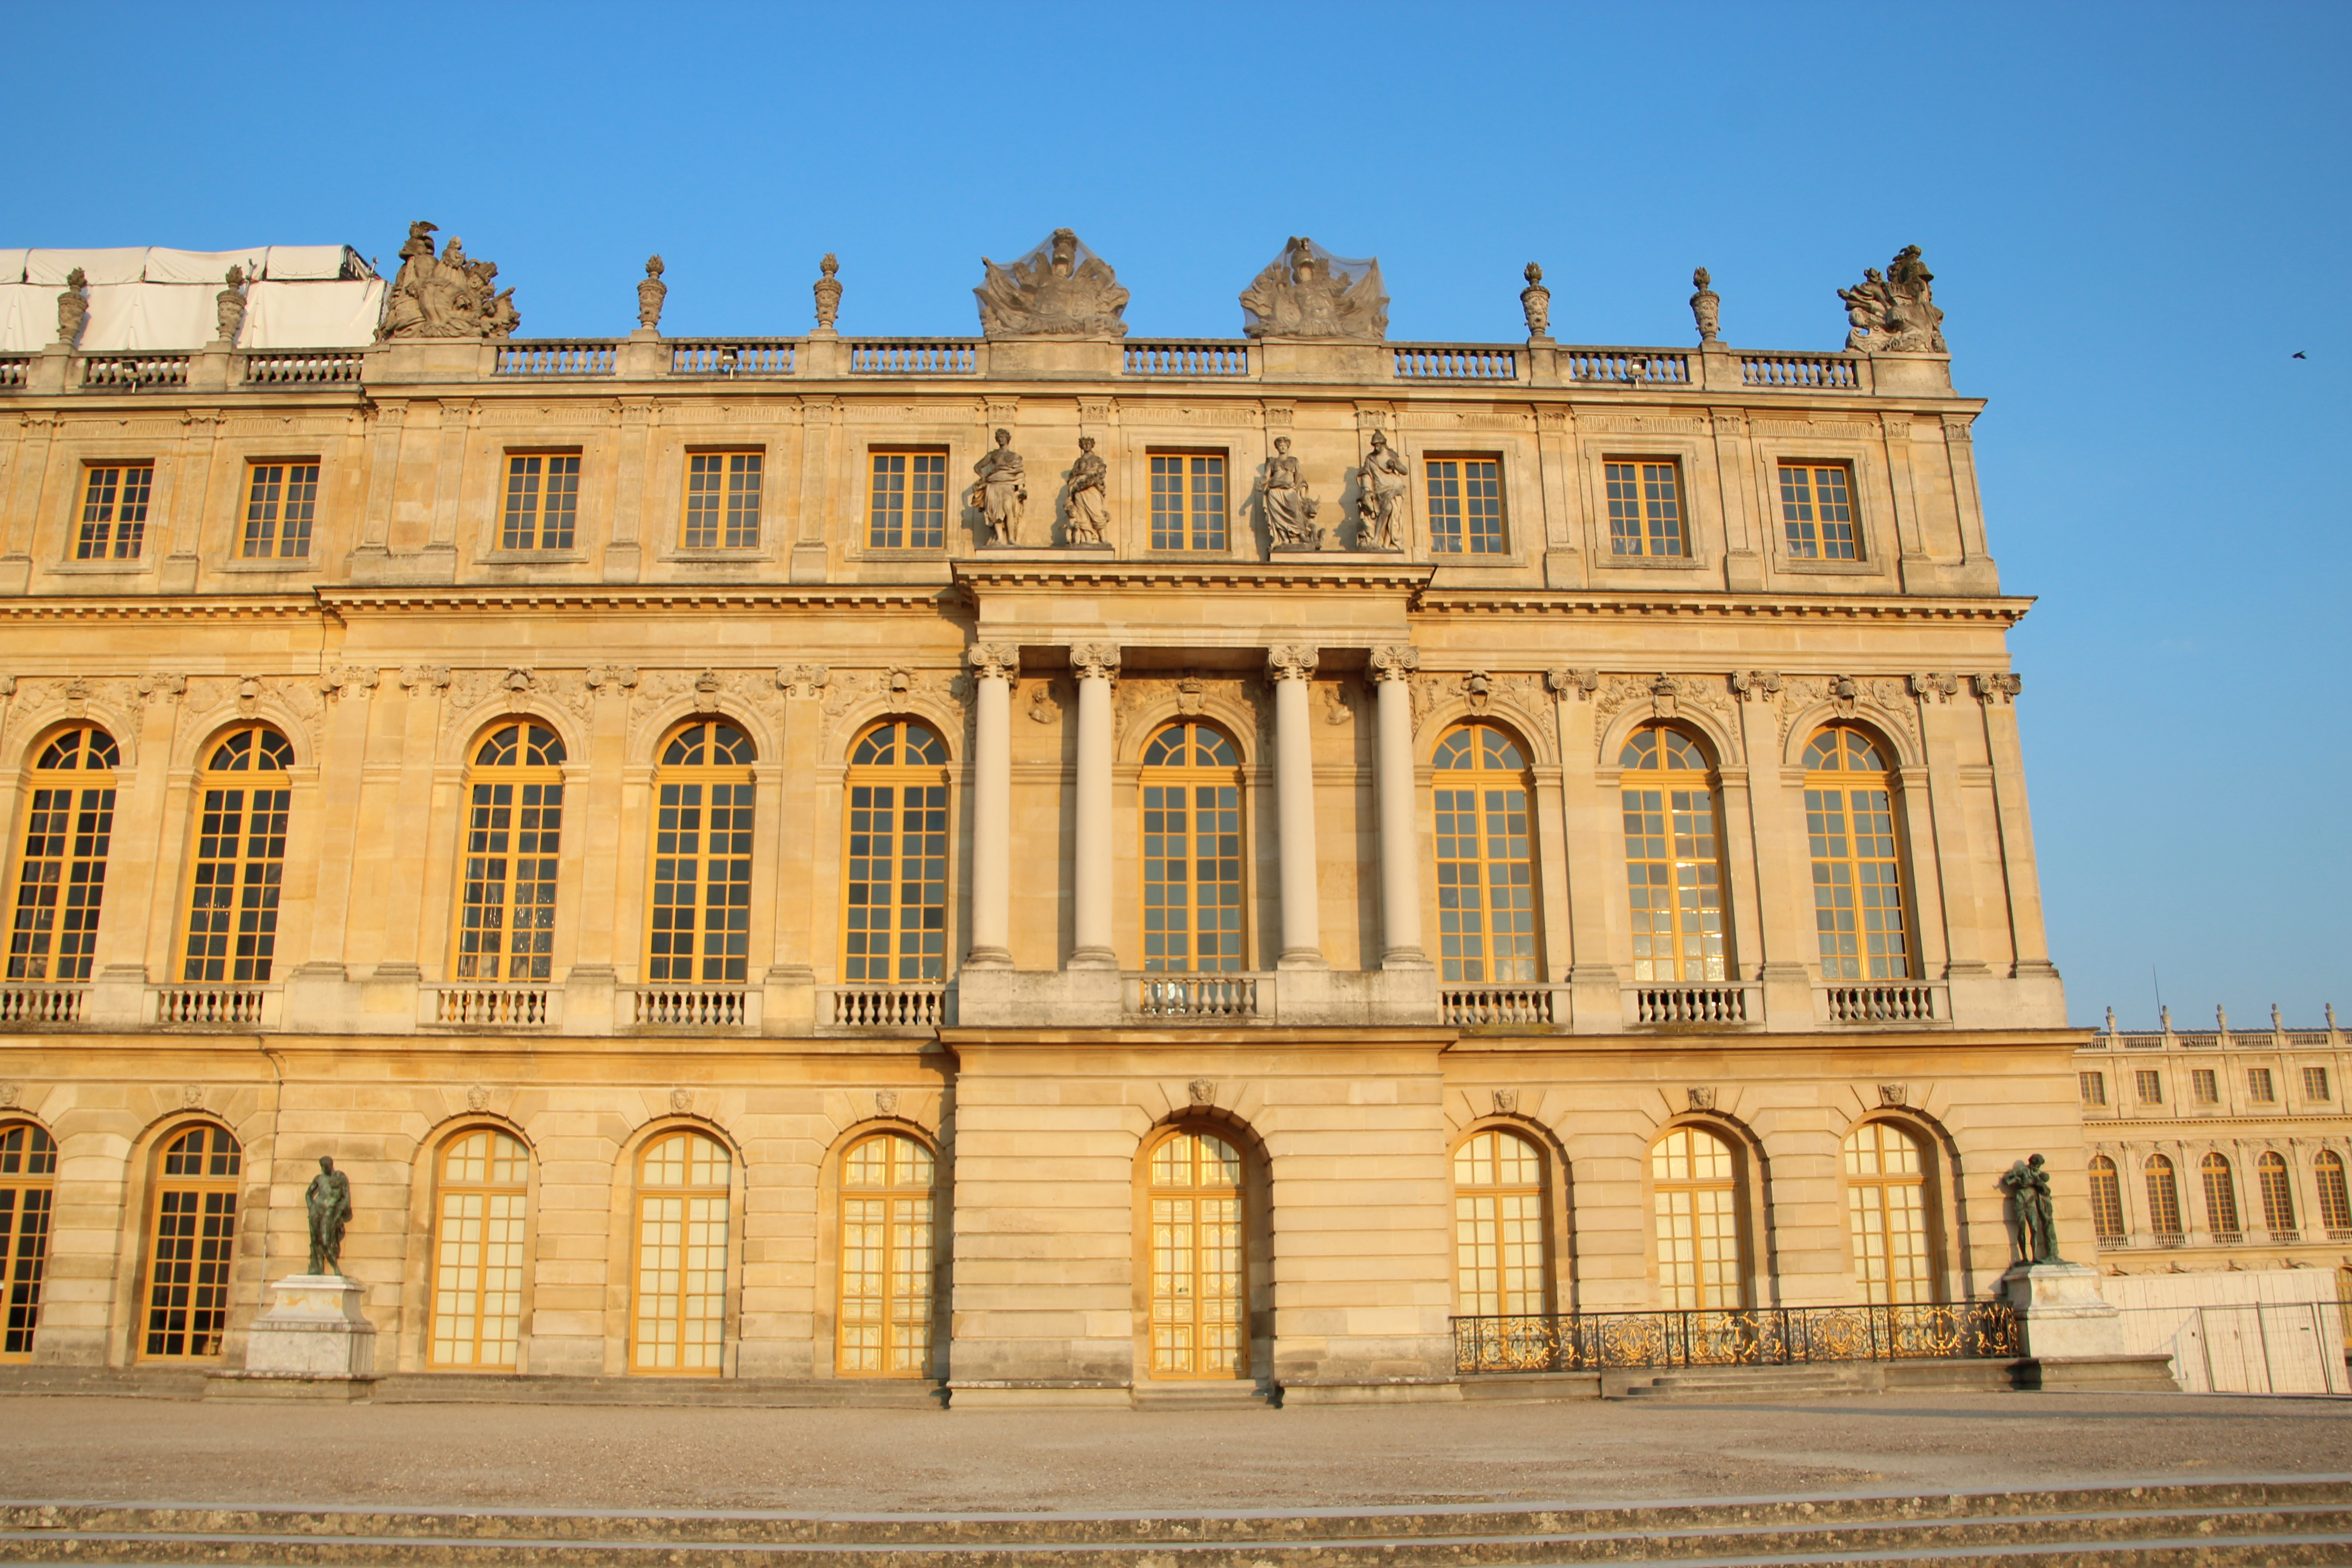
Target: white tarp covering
{"x": 202, "y": 265}
{"x": 289, "y": 262}
{"x": 12, "y": 266}
{"x": 148, "y": 315}
{"x": 28, "y": 317}
{"x": 311, "y": 315}
{"x": 127, "y": 265}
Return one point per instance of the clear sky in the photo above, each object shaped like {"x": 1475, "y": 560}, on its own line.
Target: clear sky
{"x": 2134, "y": 214}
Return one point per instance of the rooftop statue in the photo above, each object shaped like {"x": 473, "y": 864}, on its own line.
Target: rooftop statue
{"x": 1895, "y": 312}
{"x": 1308, "y": 292}
{"x": 1059, "y": 290}
{"x": 446, "y": 296}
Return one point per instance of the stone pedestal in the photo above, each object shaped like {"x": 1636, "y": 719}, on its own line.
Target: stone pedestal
{"x": 2059, "y": 1311}
{"x": 313, "y": 1342}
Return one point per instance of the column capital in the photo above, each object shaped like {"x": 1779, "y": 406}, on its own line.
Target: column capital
{"x": 1394, "y": 661}
{"x": 1291, "y": 661}
{"x": 1094, "y": 660}
{"x": 994, "y": 661}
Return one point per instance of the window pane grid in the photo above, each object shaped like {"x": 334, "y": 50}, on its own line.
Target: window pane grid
{"x": 682, "y": 1239}
{"x": 114, "y": 513}
{"x": 1673, "y": 869}
{"x": 478, "y": 1252}
{"x": 894, "y": 919}
{"x": 1500, "y": 1264}
{"x": 194, "y": 1245}
{"x": 1485, "y": 867}
{"x": 542, "y": 503}
{"x": 61, "y": 877}
{"x": 1465, "y": 506}
{"x": 1816, "y": 511}
{"x": 281, "y": 501}
{"x": 909, "y": 502}
{"x": 2163, "y": 1196}
{"x": 722, "y": 501}
{"x": 1886, "y": 1212}
{"x": 698, "y": 922}
{"x": 1695, "y": 1221}
{"x": 885, "y": 1305}
{"x": 505, "y": 917}
{"x": 1188, "y": 502}
{"x": 1645, "y": 514}
{"x": 240, "y": 863}
{"x": 28, "y": 1166}
{"x": 1190, "y": 823}
{"x": 1199, "y": 1315}
{"x": 1858, "y": 915}
{"x": 2106, "y": 1199}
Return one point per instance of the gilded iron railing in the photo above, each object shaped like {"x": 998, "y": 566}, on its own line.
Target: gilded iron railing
{"x": 1759, "y": 1336}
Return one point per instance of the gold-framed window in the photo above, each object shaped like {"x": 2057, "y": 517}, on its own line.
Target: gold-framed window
{"x": 1694, "y": 1212}
{"x": 2095, "y": 1087}
{"x": 698, "y": 920}
{"x": 2204, "y": 1086}
{"x": 61, "y": 876}
{"x": 894, "y": 885}
{"x": 2334, "y": 1192}
{"x": 1199, "y": 1300}
{"x": 2220, "y": 1193}
{"x": 1646, "y": 507}
{"x": 2106, "y": 1199}
{"x": 28, "y": 1177}
{"x": 477, "y": 1250}
{"x": 542, "y": 508}
{"x": 1850, "y": 816}
{"x": 240, "y": 862}
{"x": 1816, "y": 511}
{"x": 2315, "y": 1084}
{"x": 192, "y": 1247}
{"x": 1673, "y": 856}
{"x": 2163, "y": 1196}
{"x": 1502, "y": 1265}
{"x": 883, "y": 1321}
{"x": 908, "y": 501}
{"x": 514, "y": 827}
{"x": 2149, "y": 1085}
{"x": 114, "y": 499}
{"x": 1191, "y": 820}
{"x": 1887, "y": 1214}
{"x": 2259, "y": 1087}
{"x": 679, "y": 1324}
{"x": 281, "y": 504}
{"x": 1188, "y": 500}
{"x": 722, "y": 499}
{"x": 2278, "y": 1193}
{"x": 1486, "y": 860}
{"x": 1466, "y": 505}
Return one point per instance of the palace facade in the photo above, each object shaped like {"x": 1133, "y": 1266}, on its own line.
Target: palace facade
{"x": 1061, "y": 864}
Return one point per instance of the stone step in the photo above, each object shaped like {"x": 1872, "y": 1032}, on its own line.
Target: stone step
{"x": 2275, "y": 1522}
{"x": 1756, "y": 1383}
{"x": 775, "y": 1393}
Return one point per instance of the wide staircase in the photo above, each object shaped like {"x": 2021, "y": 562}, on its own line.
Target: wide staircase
{"x": 2213, "y": 1526}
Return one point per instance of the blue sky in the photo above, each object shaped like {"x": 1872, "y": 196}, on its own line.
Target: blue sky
{"x": 2135, "y": 215}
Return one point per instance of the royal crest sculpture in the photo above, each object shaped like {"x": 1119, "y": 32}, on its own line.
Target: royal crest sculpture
{"x": 1059, "y": 290}
{"x": 1308, "y": 292}
{"x": 446, "y": 296}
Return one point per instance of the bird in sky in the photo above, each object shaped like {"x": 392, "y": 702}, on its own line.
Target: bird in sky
{"x": 2298, "y": 353}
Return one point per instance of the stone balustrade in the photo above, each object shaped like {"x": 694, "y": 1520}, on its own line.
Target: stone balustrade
{"x": 325, "y": 367}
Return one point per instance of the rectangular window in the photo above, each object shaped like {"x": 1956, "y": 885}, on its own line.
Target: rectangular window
{"x": 114, "y": 513}
{"x": 2315, "y": 1083}
{"x": 2149, "y": 1086}
{"x": 1465, "y": 506}
{"x": 1816, "y": 511}
{"x": 722, "y": 501}
{"x": 2203, "y": 1087}
{"x": 909, "y": 501}
{"x": 1645, "y": 510}
{"x": 280, "y": 501}
{"x": 2258, "y": 1086}
{"x": 2095, "y": 1087}
{"x": 543, "y": 501}
{"x": 1188, "y": 501}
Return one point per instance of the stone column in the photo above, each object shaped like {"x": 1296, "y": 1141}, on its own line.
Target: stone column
{"x": 1391, "y": 670}
{"x": 1096, "y": 664}
{"x": 1289, "y": 666}
{"x": 993, "y": 666}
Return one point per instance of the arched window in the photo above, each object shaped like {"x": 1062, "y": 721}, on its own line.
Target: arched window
{"x": 2278, "y": 1195}
{"x": 1486, "y": 874}
{"x": 1199, "y": 1300}
{"x": 514, "y": 827}
{"x": 194, "y": 1242}
{"x": 1673, "y": 868}
{"x": 1694, "y": 1205}
{"x": 62, "y": 877}
{"x": 2220, "y": 1195}
{"x": 2106, "y": 1199}
{"x": 681, "y": 1296}
{"x": 28, "y": 1174}
{"x": 240, "y": 857}
{"x": 894, "y": 921}
{"x": 1887, "y": 1213}
{"x": 2334, "y": 1198}
{"x": 2163, "y": 1199}
{"x": 1500, "y": 1267}
{"x": 885, "y": 1322}
{"x": 477, "y": 1250}
{"x": 698, "y": 920}
{"x": 1857, "y": 876}
{"x": 1192, "y": 819}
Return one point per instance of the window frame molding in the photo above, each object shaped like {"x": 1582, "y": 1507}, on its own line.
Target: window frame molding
{"x": 22, "y": 1181}
{"x": 674, "y": 548}
{"x": 424, "y": 1222}
{"x": 621, "y": 1295}
{"x": 1870, "y": 561}
{"x": 161, "y": 499}
{"x": 569, "y": 866}
{"x": 495, "y": 551}
{"x": 952, "y": 779}
{"x": 12, "y": 869}
{"x": 1559, "y": 1217}
{"x": 155, "y": 1142}
{"x": 1686, "y": 452}
{"x": 1241, "y": 535}
{"x": 1256, "y": 1196}
{"x": 1948, "y": 1268}
{"x": 301, "y": 776}
{"x": 1751, "y": 1184}
{"x": 833, "y": 1191}
{"x": 1419, "y": 454}
{"x": 308, "y": 560}
{"x": 858, "y": 539}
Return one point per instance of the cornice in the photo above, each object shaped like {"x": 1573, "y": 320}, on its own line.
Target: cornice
{"x": 2003, "y": 611}
{"x": 1265, "y": 578}
{"x": 350, "y": 601}
{"x": 158, "y": 607}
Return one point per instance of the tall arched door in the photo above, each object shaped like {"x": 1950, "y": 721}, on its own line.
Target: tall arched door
{"x": 884, "y": 1323}
{"x": 683, "y": 1181}
{"x": 192, "y": 1243}
{"x": 1194, "y": 1227}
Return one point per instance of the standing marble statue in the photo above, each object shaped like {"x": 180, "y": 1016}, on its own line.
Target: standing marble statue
{"x": 1308, "y": 292}
{"x": 329, "y": 1200}
{"x": 1003, "y": 491}
{"x": 1536, "y": 300}
{"x": 2027, "y": 1182}
{"x": 1289, "y": 510}
{"x": 1089, "y": 501}
{"x": 1059, "y": 290}
{"x": 1894, "y": 311}
{"x": 228, "y": 307}
{"x": 651, "y": 292}
{"x": 1380, "y": 486}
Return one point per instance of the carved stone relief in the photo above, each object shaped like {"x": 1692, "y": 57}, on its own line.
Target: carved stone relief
{"x": 1308, "y": 292}
{"x": 1059, "y": 290}
{"x": 447, "y": 296}
{"x": 1894, "y": 311}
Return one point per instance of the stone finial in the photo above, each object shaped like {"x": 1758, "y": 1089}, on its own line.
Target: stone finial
{"x": 2111, "y": 1020}
{"x": 1536, "y": 300}
{"x": 1894, "y": 312}
{"x": 2331, "y": 1017}
{"x": 228, "y": 306}
{"x": 828, "y": 294}
{"x": 2278, "y": 1024}
{"x": 1707, "y": 306}
{"x": 650, "y": 295}
{"x": 2221, "y": 1019}
{"x": 2164, "y": 1017}
{"x": 73, "y": 308}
